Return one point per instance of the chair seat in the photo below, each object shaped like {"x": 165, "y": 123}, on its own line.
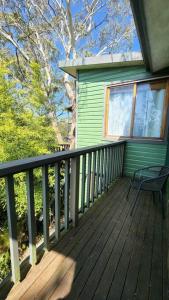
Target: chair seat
{"x": 152, "y": 186}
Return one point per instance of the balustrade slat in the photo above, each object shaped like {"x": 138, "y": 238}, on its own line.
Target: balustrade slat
{"x": 110, "y": 158}
{"x": 118, "y": 162}
{"x": 103, "y": 177}
{"x": 106, "y": 160}
{"x": 115, "y": 162}
{"x": 108, "y": 168}
{"x": 66, "y": 195}
{"x": 101, "y": 173}
{"x": 31, "y": 216}
{"x": 12, "y": 227}
{"x": 122, "y": 162}
{"x": 97, "y": 173}
{"x": 111, "y": 164}
{"x": 88, "y": 179}
{"x": 83, "y": 182}
{"x": 105, "y": 169}
{"x": 93, "y": 177}
{"x": 120, "y": 157}
{"x": 57, "y": 201}
{"x": 74, "y": 189}
{"x": 45, "y": 206}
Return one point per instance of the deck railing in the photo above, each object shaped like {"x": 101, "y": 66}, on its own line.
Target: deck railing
{"x": 87, "y": 172}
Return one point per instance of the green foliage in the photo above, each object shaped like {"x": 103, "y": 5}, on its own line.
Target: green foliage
{"x": 4, "y": 265}
{"x": 4, "y": 254}
{"x": 25, "y": 131}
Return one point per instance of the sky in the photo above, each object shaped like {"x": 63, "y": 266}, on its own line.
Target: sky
{"x": 136, "y": 44}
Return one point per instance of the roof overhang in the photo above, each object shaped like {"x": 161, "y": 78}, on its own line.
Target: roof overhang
{"x": 98, "y": 62}
{"x": 152, "y": 23}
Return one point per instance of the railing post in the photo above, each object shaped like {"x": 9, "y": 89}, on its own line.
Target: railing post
{"x": 98, "y": 174}
{"x": 74, "y": 189}
{"x": 102, "y": 172}
{"x": 12, "y": 227}
{"x": 83, "y": 183}
{"x": 123, "y": 158}
{"x": 93, "y": 177}
{"x": 88, "y": 179}
{"x": 57, "y": 201}
{"x": 66, "y": 195}
{"x": 45, "y": 206}
{"x": 31, "y": 216}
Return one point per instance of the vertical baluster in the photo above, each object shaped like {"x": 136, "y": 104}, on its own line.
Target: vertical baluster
{"x": 83, "y": 183}
{"x": 45, "y": 206}
{"x": 122, "y": 163}
{"x": 120, "y": 158}
{"x": 111, "y": 164}
{"x": 115, "y": 162}
{"x": 102, "y": 170}
{"x": 98, "y": 173}
{"x": 74, "y": 189}
{"x": 12, "y": 227}
{"x": 104, "y": 160}
{"x": 66, "y": 195}
{"x": 93, "y": 177}
{"x": 106, "y": 167}
{"x": 118, "y": 161}
{"x": 57, "y": 201}
{"x": 88, "y": 179}
{"x": 117, "y": 153}
{"x": 31, "y": 216}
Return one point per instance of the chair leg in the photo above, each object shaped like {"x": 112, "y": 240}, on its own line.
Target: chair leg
{"x": 128, "y": 192}
{"x": 136, "y": 198}
{"x": 162, "y": 204}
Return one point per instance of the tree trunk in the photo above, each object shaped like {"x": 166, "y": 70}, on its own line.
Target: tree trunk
{"x": 71, "y": 93}
{"x": 73, "y": 127}
{"x": 55, "y": 127}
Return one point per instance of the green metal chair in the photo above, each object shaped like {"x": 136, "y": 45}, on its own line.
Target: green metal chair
{"x": 151, "y": 179}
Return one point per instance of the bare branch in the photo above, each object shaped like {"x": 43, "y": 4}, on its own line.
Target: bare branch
{"x": 10, "y": 39}
{"x": 115, "y": 42}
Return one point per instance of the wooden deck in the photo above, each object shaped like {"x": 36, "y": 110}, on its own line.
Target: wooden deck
{"x": 110, "y": 255}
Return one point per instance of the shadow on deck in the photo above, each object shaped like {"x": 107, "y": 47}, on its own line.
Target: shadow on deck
{"x": 110, "y": 255}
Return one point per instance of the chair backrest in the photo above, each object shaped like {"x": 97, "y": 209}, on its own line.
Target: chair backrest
{"x": 164, "y": 170}
{"x": 161, "y": 179}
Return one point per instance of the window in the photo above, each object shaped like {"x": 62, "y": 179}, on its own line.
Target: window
{"x": 136, "y": 110}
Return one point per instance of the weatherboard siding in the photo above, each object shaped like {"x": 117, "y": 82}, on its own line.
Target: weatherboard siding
{"x": 90, "y": 115}
{"x": 142, "y": 155}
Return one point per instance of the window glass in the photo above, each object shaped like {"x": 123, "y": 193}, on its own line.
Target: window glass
{"x": 120, "y": 109}
{"x": 149, "y": 110}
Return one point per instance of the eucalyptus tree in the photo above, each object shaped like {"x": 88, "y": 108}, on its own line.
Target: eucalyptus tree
{"x": 44, "y": 31}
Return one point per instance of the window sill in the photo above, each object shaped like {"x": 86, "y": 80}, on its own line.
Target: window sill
{"x": 137, "y": 140}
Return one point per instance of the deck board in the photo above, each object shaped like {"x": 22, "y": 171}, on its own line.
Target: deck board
{"x": 110, "y": 255}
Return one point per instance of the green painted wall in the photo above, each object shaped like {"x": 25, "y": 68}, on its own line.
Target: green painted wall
{"x": 90, "y": 115}
{"x": 142, "y": 155}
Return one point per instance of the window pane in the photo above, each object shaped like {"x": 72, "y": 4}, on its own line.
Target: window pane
{"x": 149, "y": 110}
{"x": 120, "y": 108}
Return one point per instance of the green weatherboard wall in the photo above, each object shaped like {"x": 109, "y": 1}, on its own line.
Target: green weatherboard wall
{"x": 90, "y": 115}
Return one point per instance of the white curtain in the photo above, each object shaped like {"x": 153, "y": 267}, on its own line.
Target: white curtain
{"x": 149, "y": 111}
{"x": 120, "y": 108}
